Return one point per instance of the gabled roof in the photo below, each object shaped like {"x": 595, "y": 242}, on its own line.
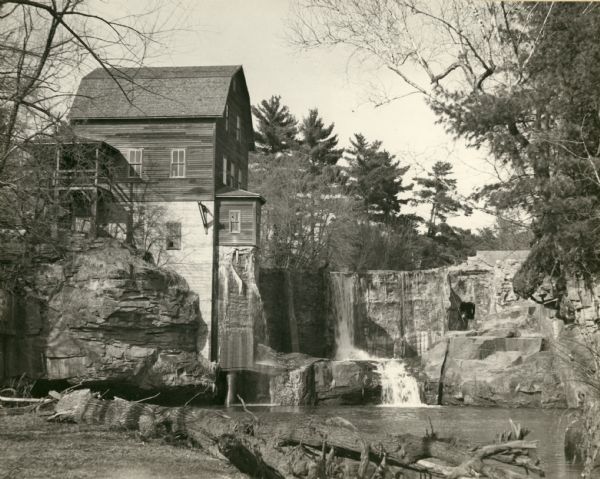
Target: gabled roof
{"x": 154, "y": 92}
{"x": 230, "y": 193}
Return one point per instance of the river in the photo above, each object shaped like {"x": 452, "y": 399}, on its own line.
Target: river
{"x": 478, "y": 425}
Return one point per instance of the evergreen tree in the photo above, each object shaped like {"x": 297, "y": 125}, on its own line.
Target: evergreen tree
{"x": 376, "y": 179}
{"x": 276, "y": 127}
{"x": 318, "y": 140}
{"x": 544, "y": 121}
{"x": 438, "y": 189}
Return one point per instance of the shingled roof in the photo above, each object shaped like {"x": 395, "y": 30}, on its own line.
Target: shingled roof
{"x": 154, "y": 92}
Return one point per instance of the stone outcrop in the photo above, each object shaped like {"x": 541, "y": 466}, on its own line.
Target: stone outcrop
{"x": 347, "y": 382}
{"x": 103, "y": 314}
{"x": 291, "y": 376}
{"x": 297, "y": 379}
{"x": 505, "y": 363}
{"x": 505, "y": 357}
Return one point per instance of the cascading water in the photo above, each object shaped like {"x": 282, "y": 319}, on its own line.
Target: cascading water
{"x": 343, "y": 295}
{"x": 399, "y": 388}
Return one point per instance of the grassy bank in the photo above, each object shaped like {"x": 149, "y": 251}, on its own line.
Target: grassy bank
{"x": 31, "y": 447}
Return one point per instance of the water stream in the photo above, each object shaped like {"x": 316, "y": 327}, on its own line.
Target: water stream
{"x": 398, "y": 387}
{"x": 475, "y": 424}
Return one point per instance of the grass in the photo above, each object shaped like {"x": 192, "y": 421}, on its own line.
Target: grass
{"x": 31, "y": 447}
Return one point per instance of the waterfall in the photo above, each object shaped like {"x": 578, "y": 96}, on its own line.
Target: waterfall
{"x": 343, "y": 297}
{"x": 398, "y": 387}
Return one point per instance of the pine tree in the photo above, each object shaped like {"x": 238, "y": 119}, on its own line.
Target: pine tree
{"x": 376, "y": 179}
{"x": 276, "y": 127}
{"x": 438, "y": 189}
{"x": 318, "y": 140}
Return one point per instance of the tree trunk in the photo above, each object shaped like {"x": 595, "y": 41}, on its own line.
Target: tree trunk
{"x": 283, "y": 445}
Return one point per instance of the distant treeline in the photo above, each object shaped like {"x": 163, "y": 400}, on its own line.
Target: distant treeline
{"x": 346, "y": 208}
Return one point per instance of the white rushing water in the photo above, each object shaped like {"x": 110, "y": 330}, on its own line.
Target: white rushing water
{"x": 398, "y": 387}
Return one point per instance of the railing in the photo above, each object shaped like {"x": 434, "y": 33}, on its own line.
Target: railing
{"x": 90, "y": 178}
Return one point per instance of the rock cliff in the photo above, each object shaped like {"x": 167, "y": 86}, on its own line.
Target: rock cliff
{"x": 103, "y": 314}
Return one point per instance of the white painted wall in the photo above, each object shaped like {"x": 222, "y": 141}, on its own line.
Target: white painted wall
{"x": 194, "y": 261}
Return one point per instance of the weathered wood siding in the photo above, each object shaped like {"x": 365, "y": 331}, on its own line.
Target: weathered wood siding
{"x": 247, "y": 234}
{"x": 227, "y": 145}
{"x": 157, "y": 138}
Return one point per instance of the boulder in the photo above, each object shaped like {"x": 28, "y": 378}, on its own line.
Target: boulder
{"x": 297, "y": 379}
{"x": 506, "y": 379}
{"x": 294, "y": 388}
{"x": 109, "y": 316}
{"x": 291, "y": 376}
{"x": 347, "y": 382}
{"x": 492, "y": 371}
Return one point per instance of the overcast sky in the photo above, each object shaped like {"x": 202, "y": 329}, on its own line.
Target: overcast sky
{"x": 253, "y": 33}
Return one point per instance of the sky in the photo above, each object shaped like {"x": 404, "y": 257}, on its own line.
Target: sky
{"x": 253, "y": 33}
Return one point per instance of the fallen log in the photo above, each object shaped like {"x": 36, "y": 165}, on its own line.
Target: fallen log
{"x": 14, "y": 400}
{"x": 292, "y": 446}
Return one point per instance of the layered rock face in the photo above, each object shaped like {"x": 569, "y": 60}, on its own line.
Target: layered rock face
{"x": 504, "y": 357}
{"x": 493, "y": 371}
{"x": 404, "y": 313}
{"x": 105, "y": 315}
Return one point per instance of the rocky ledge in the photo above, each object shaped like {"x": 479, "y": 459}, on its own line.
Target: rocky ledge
{"x": 298, "y": 379}
{"x": 500, "y": 367}
{"x": 105, "y": 315}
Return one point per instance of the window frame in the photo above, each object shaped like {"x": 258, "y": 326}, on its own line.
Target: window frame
{"x": 173, "y": 236}
{"x": 184, "y": 163}
{"x": 132, "y": 172}
{"x": 238, "y": 229}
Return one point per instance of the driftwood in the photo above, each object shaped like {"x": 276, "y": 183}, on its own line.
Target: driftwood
{"x": 288, "y": 445}
{"x": 13, "y": 400}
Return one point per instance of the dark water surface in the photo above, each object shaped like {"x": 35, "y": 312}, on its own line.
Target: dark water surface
{"x": 478, "y": 425}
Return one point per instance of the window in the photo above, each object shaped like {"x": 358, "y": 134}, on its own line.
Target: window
{"x": 226, "y": 117}
{"x": 178, "y": 163}
{"x": 134, "y": 157}
{"x": 173, "y": 235}
{"x": 232, "y": 176}
{"x": 238, "y": 128}
{"x": 234, "y": 221}
{"x": 225, "y": 172}
{"x": 240, "y": 184}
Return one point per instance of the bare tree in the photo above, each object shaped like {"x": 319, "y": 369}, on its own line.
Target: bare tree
{"x": 435, "y": 47}
{"x": 45, "y": 46}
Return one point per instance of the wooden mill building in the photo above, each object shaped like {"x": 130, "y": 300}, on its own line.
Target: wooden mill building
{"x": 185, "y": 133}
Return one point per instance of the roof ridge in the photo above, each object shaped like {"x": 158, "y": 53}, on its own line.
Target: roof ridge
{"x": 172, "y": 71}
